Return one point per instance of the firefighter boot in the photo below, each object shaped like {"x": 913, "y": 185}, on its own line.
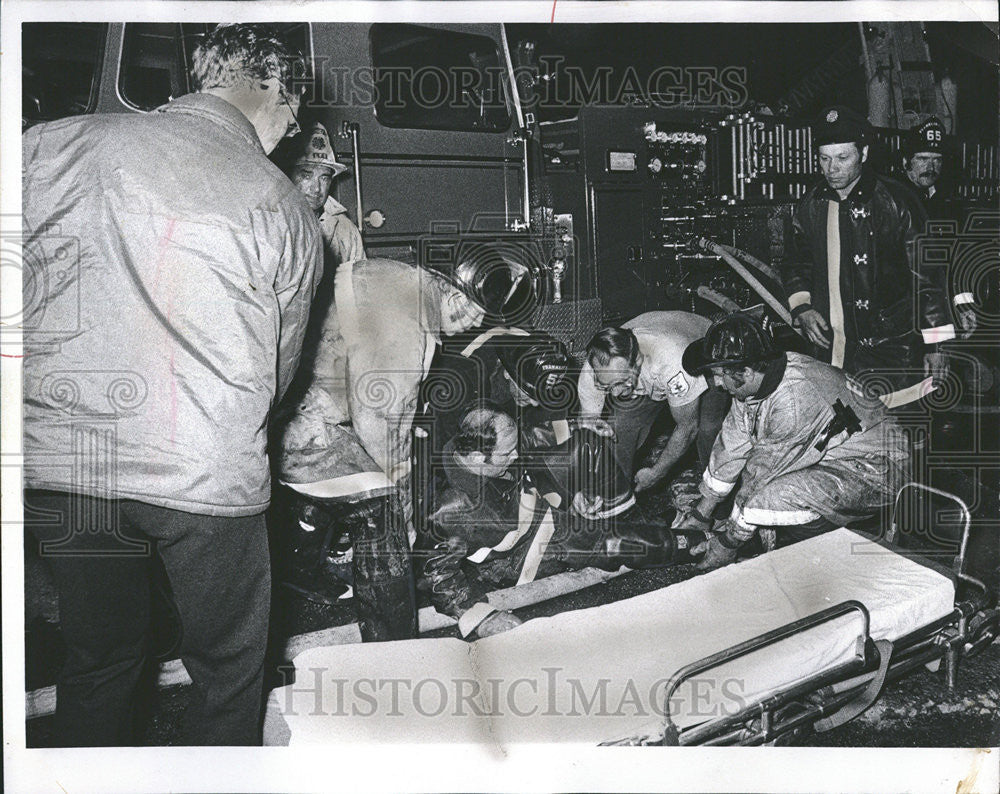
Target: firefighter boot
{"x": 640, "y": 546}
{"x": 383, "y": 577}
{"x": 306, "y": 546}
{"x": 722, "y": 547}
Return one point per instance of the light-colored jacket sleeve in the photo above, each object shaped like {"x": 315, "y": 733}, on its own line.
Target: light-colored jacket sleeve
{"x": 591, "y": 398}
{"x": 388, "y": 353}
{"x": 729, "y": 456}
{"x": 383, "y": 390}
{"x": 345, "y": 240}
{"x": 299, "y": 249}
{"x": 789, "y": 426}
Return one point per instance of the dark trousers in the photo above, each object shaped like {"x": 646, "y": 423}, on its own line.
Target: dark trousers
{"x": 100, "y": 554}
{"x": 632, "y": 420}
{"x": 383, "y": 576}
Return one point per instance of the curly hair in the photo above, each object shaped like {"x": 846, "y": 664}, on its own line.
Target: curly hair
{"x": 237, "y": 54}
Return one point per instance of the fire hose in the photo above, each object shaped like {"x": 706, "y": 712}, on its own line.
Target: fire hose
{"x": 725, "y": 253}
{"x": 750, "y": 259}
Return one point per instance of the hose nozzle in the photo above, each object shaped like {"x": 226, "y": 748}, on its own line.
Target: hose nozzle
{"x": 695, "y": 244}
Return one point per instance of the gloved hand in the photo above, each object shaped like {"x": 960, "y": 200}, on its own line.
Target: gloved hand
{"x": 646, "y": 478}
{"x": 497, "y": 623}
{"x": 692, "y": 519}
{"x": 936, "y": 365}
{"x": 967, "y": 319}
{"x": 717, "y": 554}
{"x": 588, "y": 508}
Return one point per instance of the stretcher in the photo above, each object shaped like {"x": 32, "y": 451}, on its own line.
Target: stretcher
{"x": 801, "y": 638}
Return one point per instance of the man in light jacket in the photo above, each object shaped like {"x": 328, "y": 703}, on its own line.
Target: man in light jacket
{"x": 179, "y": 265}
{"x": 345, "y": 437}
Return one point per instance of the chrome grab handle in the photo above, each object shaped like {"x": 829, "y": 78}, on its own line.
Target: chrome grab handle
{"x": 350, "y": 128}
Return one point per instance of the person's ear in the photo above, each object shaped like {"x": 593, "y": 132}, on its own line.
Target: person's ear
{"x": 864, "y": 154}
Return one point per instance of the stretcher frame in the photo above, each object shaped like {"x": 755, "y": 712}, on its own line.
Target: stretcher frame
{"x": 830, "y": 699}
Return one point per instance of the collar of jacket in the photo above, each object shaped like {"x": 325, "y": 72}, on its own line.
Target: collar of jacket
{"x": 332, "y": 207}
{"x": 860, "y": 193}
{"x": 772, "y": 377}
{"x": 218, "y": 110}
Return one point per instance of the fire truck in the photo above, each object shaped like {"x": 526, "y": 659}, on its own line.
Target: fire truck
{"x": 618, "y": 210}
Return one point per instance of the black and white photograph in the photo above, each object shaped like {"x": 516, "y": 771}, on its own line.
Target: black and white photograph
{"x": 531, "y": 396}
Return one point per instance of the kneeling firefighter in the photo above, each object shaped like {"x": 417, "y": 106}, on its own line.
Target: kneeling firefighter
{"x": 345, "y": 441}
{"x": 805, "y": 448}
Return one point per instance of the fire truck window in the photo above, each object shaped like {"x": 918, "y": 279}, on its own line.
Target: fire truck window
{"x": 59, "y": 69}
{"x": 437, "y": 80}
{"x": 156, "y": 59}
{"x": 153, "y": 64}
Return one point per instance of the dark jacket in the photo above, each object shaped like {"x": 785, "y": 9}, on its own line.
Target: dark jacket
{"x": 893, "y": 310}
{"x": 479, "y": 532}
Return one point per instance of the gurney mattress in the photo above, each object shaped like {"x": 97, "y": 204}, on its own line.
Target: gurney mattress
{"x": 599, "y": 674}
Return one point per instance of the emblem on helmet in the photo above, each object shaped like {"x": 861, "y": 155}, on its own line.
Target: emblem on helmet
{"x": 832, "y": 116}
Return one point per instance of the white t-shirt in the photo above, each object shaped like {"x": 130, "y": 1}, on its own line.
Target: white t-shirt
{"x": 662, "y": 337}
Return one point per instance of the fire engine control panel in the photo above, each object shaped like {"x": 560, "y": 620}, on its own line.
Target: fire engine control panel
{"x": 636, "y": 185}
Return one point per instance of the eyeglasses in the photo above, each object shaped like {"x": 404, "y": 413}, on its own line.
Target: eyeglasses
{"x": 294, "y": 128}
{"x": 606, "y": 387}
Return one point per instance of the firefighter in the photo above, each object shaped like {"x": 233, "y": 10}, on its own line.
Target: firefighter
{"x": 347, "y": 437}
{"x": 923, "y": 163}
{"x": 639, "y": 366}
{"x": 853, "y": 279}
{"x": 497, "y": 523}
{"x": 313, "y": 172}
{"x": 809, "y": 449}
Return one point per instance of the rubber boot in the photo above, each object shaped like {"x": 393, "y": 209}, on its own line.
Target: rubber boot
{"x": 646, "y": 547}
{"x": 719, "y": 554}
{"x": 383, "y": 577}
{"x": 306, "y": 546}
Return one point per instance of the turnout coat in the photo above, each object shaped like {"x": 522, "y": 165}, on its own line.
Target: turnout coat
{"x": 854, "y": 260}
{"x": 810, "y": 444}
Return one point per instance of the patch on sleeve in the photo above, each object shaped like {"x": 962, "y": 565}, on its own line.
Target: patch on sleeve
{"x": 678, "y": 385}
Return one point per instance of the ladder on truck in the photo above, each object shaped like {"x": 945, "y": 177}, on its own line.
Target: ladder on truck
{"x": 902, "y": 90}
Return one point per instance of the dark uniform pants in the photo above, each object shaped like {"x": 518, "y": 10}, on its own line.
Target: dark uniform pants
{"x": 100, "y": 552}
{"x": 632, "y": 420}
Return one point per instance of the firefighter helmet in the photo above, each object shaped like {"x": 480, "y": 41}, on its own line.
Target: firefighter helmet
{"x": 499, "y": 278}
{"x": 928, "y": 136}
{"x": 539, "y": 364}
{"x": 735, "y": 340}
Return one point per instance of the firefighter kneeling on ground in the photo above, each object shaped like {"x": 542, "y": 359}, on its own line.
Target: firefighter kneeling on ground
{"x": 810, "y": 449}
{"x": 494, "y": 525}
{"x": 345, "y": 435}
